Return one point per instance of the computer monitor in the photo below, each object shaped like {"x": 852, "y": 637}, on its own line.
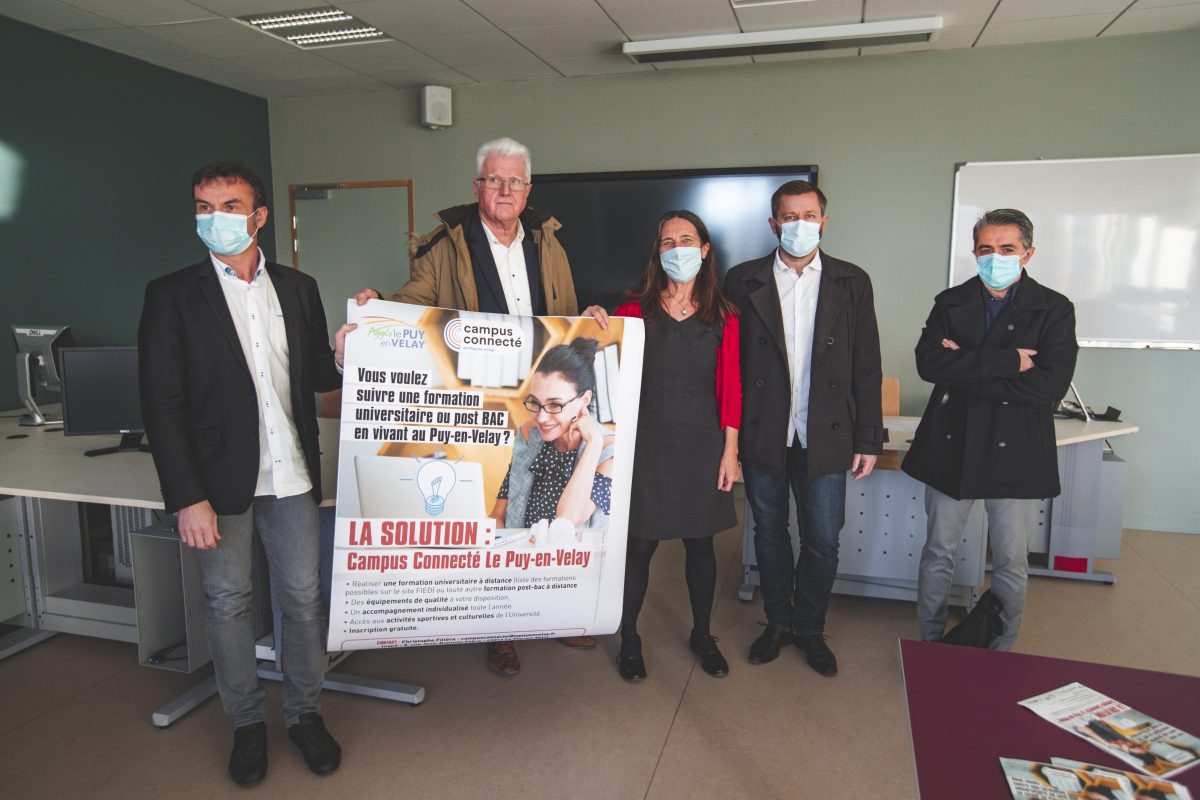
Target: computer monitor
{"x": 100, "y": 396}
{"x": 37, "y": 365}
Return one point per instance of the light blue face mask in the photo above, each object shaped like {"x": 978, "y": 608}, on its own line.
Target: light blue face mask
{"x": 998, "y": 272}
{"x": 681, "y": 263}
{"x": 799, "y": 237}
{"x": 224, "y": 234}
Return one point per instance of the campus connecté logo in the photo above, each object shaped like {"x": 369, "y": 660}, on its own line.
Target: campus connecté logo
{"x": 482, "y": 337}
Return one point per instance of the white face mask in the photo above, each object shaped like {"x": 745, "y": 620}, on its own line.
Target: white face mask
{"x": 224, "y": 233}
{"x": 681, "y": 263}
{"x": 799, "y": 237}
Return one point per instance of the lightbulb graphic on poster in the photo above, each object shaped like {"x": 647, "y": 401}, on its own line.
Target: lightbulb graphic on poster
{"x": 484, "y": 470}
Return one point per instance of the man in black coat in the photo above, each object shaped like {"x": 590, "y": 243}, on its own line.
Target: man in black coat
{"x": 1000, "y": 349}
{"x": 231, "y": 352}
{"x": 811, "y": 410}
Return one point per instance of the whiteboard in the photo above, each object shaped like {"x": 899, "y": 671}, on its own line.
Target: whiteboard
{"x": 1120, "y": 237}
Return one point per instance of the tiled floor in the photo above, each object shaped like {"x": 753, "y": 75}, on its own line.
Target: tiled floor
{"x": 75, "y": 712}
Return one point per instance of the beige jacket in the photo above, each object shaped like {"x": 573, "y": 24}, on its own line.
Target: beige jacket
{"x": 441, "y": 273}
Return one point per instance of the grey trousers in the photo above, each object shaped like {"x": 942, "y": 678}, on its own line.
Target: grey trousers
{"x": 1010, "y": 525}
{"x": 290, "y": 531}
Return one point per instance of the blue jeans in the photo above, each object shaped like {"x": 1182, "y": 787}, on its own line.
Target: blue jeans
{"x": 290, "y": 533}
{"x": 796, "y": 593}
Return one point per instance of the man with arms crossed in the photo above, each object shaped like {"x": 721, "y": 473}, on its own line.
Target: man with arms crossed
{"x": 811, "y": 409}
{"x": 1000, "y": 350}
{"x": 231, "y": 352}
{"x": 496, "y": 255}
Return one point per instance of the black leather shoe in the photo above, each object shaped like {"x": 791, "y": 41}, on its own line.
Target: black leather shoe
{"x": 766, "y": 647}
{"x": 321, "y": 752}
{"x": 248, "y": 761}
{"x": 818, "y": 654}
{"x": 629, "y": 661}
{"x": 711, "y": 660}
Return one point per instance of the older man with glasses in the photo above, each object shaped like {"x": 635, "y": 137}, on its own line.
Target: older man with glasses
{"x": 516, "y": 266}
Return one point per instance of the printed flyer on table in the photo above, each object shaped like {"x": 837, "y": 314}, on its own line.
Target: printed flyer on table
{"x": 484, "y": 470}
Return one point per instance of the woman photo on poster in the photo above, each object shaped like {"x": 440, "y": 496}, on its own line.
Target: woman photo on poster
{"x": 686, "y": 459}
{"x": 561, "y": 463}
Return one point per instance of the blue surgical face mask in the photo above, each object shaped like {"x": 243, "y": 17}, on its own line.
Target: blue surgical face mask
{"x": 681, "y": 263}
{"x": 224, "y": 234}
{"x": 799, "y": 237}
{"x": 998, "y": 272}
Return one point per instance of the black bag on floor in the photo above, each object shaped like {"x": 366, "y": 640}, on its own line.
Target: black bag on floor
{"x": 981, "y": 626}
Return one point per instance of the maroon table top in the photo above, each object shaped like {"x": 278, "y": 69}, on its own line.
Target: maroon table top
{"x": 963, "y": 714}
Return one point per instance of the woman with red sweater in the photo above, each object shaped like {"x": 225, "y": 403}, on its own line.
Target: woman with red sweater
{"x": 686, "y": 458}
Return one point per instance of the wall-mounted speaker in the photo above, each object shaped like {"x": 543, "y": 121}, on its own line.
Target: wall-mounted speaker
{"x": 435, "y": 107}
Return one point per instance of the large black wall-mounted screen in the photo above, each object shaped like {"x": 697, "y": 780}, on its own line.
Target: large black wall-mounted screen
{"x": 609, "y": 218}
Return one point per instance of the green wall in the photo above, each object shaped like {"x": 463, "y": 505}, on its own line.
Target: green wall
{"x": 108, "y": 145}
{"x": 886, "y": 132}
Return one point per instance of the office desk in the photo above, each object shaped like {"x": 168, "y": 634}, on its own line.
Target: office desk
{"x": 885, "y": 526}
{"x": 963, "y": 714}
{"x": 45, "y": 476}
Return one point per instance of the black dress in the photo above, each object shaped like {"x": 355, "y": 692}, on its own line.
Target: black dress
{"x": 679, "y": 440}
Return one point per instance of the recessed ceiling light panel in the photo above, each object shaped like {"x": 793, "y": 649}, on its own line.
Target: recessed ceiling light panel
{"x": 309, "y": 28}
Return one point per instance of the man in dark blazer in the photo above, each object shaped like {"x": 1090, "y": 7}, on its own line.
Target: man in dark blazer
{"x": 231, "y": 353}
{"x": 1000, "y": 350}
{"x": 811, "y": 410}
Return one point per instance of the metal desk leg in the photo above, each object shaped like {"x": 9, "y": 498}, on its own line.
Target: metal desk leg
{"x": 185, "y": 702}
{"x": 17, "y": 641}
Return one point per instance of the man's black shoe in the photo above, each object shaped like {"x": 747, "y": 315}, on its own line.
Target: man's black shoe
{"x": 819, "y": 656}
{"x": 322, "y": 754}
{"x": 766, "y": 647}
{"x": 248, "y": 761}
{"x": 711, "y": 660}
{"x": 629, "y": 661}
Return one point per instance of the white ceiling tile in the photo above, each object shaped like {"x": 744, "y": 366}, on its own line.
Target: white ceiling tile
{"x": 532, "y": 69}
{"x": 133, "y": 42}
{"x": 1082, "y": 26}
{"x": 596, "y": 65}
{"x": 841, "y": 52}
{"x": 1152, "y": 20}
{"x": 1013, "y": 10}
{"x": 489, "y": 47}
{"x": 218, "y": 38}
{"x": 954, "y": 13}
{"x": 244, "y": 8}
{"x": 799, "y": 15}
{"x": 349, "y": 84}
{"x": 669, "y": 26}
{"x": 379, "y": 57}
{"x": 407, "y": 79}
{"x": 572, "y": 39}
{"x": 53, "y": 15}
{"x": 947, "y": 39}
{"x": 618, "y": 9}
{"x": 293, "y": 66}
{"x": 219, "y": 70}
{"x": 413, "y": 20}
{"x": 705, "y": 62}
{"x": 145, "y": 12}
{"x": 508, "y": 14}
{"x": 271, "y": 89}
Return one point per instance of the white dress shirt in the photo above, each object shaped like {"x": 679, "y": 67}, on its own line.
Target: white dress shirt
{"x": 258, "y": 319}
{"x": 510, "y": 263}
{"x": 798, "y": 302}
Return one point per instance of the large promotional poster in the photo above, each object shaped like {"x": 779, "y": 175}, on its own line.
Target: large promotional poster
{"x": 483, "y": 476}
